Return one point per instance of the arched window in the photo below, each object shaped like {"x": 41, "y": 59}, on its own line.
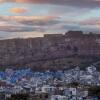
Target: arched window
{"x": 75, "y": 49}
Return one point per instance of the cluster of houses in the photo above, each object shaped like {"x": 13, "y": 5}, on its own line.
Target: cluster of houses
{"x": 56, "y": 84}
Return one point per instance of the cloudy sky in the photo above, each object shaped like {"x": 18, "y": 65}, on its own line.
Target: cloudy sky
{"x": 33, "y": 18}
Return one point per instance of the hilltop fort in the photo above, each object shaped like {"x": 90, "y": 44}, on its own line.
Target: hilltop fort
{"x": 30, "y": 51}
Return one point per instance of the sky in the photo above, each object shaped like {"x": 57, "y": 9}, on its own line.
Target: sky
{"x": 33, "y": 18}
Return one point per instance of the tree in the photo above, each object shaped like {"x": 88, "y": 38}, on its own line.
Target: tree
{"x": 94, "y": 91}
